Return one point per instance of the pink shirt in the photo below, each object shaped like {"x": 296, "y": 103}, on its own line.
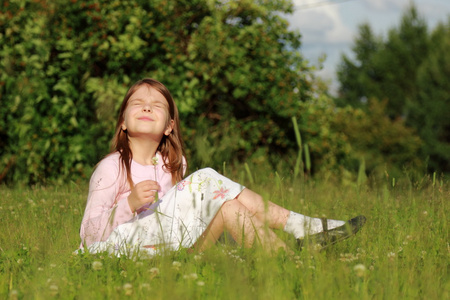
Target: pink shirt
{"x": 107, "y": 204}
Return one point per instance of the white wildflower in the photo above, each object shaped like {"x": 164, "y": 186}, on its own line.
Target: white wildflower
{"x": 200, "y": 283}
{"x": 176, "y": 265}
{"x": 360, "y": 270}
{"x": 154, "y": 272}
{"x": 191, "y": 276}
{"x": 54, "y": 289}
{"x": 13, "y": 295}
{"x": 97, "y": 265}
{"x": 128, "y": 289}
{"x": 197, "y": 257}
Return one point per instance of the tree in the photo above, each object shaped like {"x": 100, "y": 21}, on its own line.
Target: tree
{"x": 232, "y": 66}
{"x": 385, "y": 69}
{"x": 429, "y": 113}
{"x": 410, "y": 71}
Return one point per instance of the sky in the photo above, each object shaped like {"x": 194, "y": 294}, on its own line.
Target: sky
{"x": 329, "y": 27}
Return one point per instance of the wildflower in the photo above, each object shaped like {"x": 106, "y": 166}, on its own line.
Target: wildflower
{"x": 425, "y": 213}
{"x": 191, "y": 276}
{"x": 20, "y": 261}
{"x": 154, "y": 272}
{"x": 97, "y": 265}
{"x": 13, "y": 295}
{"x": 391, "y": 254}
{"x": 176, "y": 265}
{"x": 128, "y": 289}
{"x": 200, "y": 283}
{"x": 54, "y": 289}
{"x": 360, "y": 270}
{"x": 197, "y": 257}
{"x": 123, "y": 273}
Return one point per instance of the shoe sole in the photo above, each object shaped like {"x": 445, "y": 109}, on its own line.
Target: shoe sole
{"x": 330, "y": 237}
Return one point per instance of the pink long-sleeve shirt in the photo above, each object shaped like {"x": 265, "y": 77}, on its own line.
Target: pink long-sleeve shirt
{"x": 107, "y": 204}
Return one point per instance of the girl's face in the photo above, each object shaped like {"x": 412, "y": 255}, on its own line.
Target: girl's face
{"x": 147, "y": 114}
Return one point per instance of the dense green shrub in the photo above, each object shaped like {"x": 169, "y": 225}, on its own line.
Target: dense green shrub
{"x": 383, "y": 144}
{"x": 232, "y": 68}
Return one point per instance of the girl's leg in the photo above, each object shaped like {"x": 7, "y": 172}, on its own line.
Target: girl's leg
{"x": 278, "y": 217}
{"x": 243, "y": 226}
{"x": 275, "y": 215}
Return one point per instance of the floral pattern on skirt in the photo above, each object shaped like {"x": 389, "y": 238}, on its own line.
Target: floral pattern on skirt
{"x": 176, "y": 220}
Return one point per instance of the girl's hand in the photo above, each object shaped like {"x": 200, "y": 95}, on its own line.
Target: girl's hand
{"x": 143, "y": 193}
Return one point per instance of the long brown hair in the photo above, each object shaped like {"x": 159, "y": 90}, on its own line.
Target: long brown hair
{"x": 171, "y": 146}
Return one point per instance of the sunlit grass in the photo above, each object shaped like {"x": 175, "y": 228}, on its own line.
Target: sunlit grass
{"x": 401, "y": 253}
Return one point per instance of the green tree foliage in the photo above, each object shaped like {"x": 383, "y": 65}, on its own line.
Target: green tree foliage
{"x": 408, "y": 70}
{"x": 385, "y": 69}
{"x": 232, "y": 66}
{"x": 342, "y": 139}
{"x": 383, "y": 144}
{"x": 429, "y": 113}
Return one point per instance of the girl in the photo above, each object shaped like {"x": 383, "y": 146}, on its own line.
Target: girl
{"x": 139, "y": 201}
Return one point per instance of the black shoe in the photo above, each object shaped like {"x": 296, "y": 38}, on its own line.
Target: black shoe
{"x": 329, "y": 237}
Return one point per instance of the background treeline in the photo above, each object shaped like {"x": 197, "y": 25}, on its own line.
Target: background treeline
{"x": 238, "y": 76}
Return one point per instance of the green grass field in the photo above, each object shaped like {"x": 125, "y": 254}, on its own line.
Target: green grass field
{"x": 401, "y": 253}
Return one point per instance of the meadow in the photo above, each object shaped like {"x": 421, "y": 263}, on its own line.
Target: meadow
{"x": 401, "y": 253}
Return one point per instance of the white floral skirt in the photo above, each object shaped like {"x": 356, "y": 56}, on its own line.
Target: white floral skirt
{"x": 176, "y": 220}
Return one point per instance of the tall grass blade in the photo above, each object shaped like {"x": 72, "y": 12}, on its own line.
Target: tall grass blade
{"x": 249, "y": 174}
{"x": 307, "y": 158}
{"x": 298, "y": 137}
{"x": 362, "y": 177}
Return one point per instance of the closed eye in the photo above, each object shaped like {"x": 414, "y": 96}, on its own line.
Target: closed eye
{"x": 136, "y": 102}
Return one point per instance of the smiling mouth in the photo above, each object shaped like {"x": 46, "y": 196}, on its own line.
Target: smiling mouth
{"x": 145, "y": 119}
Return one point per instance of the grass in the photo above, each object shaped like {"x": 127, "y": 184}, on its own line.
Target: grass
{"x": 401, "y": 253}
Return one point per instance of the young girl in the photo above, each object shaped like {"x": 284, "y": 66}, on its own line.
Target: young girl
{"x": 139, "y": 201}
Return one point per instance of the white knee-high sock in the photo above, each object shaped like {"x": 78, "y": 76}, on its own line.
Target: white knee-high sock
{"x": 300, "y": 225}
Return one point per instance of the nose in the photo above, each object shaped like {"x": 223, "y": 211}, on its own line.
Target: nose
{"x": 147, "y": 108}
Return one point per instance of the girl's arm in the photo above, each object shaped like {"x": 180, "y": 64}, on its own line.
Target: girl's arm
{"x": 107, "y": 205}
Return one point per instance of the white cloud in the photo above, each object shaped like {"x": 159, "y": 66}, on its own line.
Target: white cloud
{"x": 385, "y": 5}
{"x": 330, "y": 26}
{"x": 321, "y": 24}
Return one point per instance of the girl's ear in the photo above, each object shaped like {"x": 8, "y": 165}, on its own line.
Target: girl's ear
{"x": 123, "y": 126}
{"x": 169, "y": 127}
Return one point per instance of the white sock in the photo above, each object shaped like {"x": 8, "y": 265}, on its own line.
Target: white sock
{"x": 300, "y": 225}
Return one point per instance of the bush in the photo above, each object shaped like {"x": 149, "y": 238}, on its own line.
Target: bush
{"x": 232, "y": 67}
